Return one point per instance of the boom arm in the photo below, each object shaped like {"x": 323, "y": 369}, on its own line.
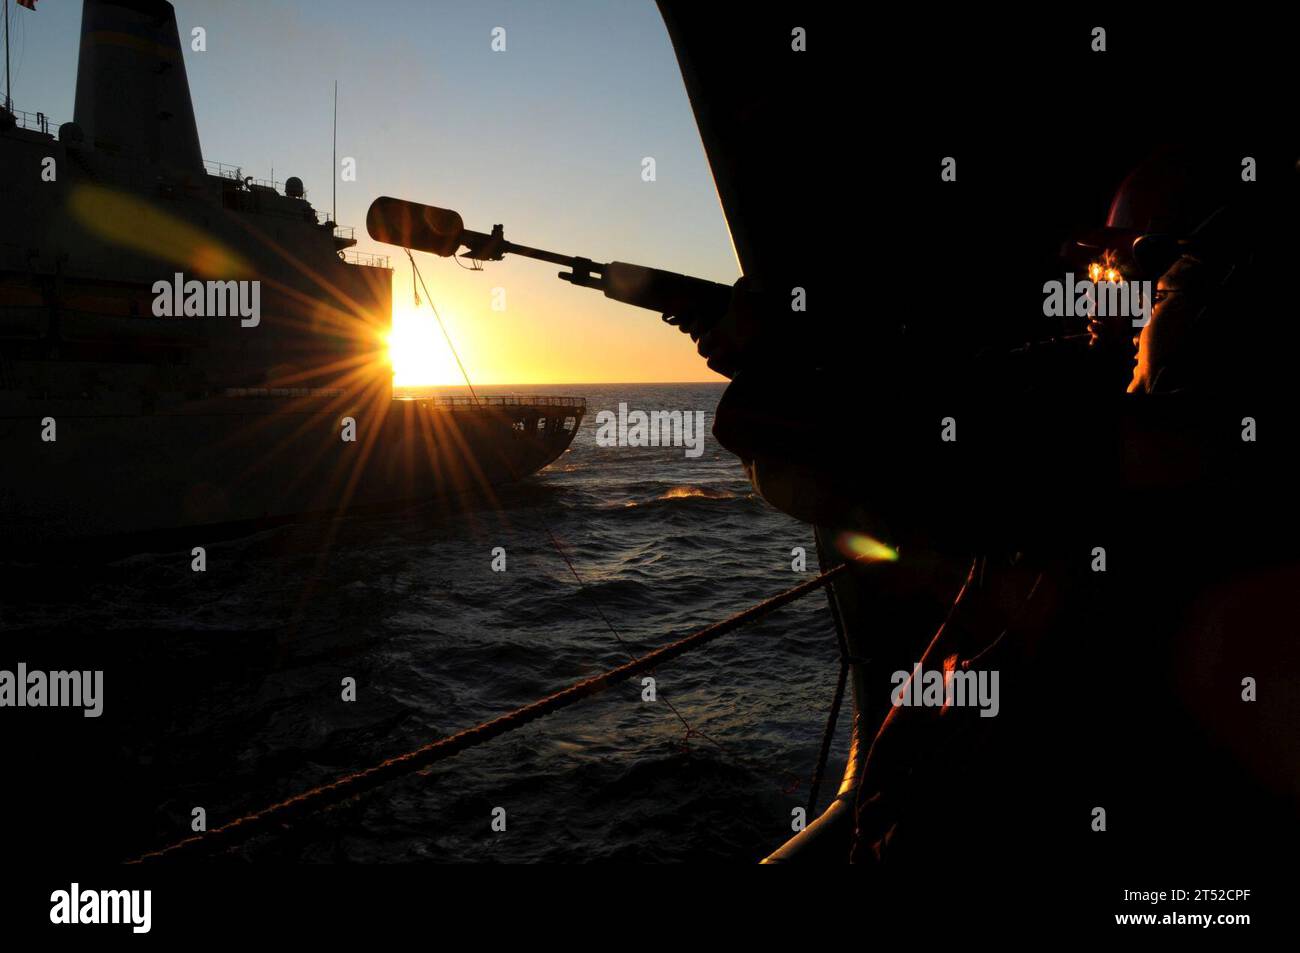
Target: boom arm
{"x": 442, "y": 232}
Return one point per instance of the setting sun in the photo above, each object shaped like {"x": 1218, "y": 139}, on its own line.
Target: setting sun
{"x": 418, "y": 352}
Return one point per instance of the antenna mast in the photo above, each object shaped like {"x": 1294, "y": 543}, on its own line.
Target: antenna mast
{"x": 334, "y": 158}
{"x": 9, "y": 103}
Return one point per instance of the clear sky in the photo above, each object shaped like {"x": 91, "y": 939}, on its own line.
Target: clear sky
{"x": 547, "y": 138}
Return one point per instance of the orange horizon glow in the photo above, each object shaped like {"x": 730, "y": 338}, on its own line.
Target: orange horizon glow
{"x": 517, "y": 349}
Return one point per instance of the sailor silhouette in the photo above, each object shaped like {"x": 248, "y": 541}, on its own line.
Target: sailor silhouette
{"x": 1122, "y": 687}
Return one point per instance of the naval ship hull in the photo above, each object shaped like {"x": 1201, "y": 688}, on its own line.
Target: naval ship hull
{"x": 250, "y": 460}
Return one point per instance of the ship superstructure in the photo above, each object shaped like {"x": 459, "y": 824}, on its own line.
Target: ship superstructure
{"x": 183, "y": 345}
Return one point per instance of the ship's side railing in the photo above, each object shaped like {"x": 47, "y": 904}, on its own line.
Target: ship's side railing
{"x": 502, "y": 401}
{"x": 365, "y": 258}
{"x": 448, "y": 401}
{"x": 38, "y": 122}
{"x": 227, "y": 171}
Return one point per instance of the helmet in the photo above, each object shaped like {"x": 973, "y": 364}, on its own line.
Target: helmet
{"x": 1157, "y": 209}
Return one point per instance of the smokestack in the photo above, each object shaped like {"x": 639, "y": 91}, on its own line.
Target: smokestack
{"x": 132, "y": 94}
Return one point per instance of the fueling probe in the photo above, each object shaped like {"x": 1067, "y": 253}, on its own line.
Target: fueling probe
{"x": 442, "y": 232}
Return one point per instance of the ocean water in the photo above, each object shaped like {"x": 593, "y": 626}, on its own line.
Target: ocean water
{"x": 251, "y": 655}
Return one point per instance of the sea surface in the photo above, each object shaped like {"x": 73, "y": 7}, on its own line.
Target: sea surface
{"x": 255, "y": 652}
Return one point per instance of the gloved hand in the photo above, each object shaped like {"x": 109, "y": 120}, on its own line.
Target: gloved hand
{"x": 737, "y": 337}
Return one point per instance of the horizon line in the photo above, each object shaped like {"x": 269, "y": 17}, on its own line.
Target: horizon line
{"x": 552, "y": 384}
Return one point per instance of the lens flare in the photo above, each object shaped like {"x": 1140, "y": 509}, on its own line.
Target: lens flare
{"x": 127, "y": 221}
{"x": 1106, "y": 270}
{"x": 862, "y": 548}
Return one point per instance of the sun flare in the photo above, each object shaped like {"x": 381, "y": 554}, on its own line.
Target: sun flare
{"x": 419, "y": 355}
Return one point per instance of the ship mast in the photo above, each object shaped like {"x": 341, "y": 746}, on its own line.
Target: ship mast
{"x": 334, "y": 157}
{"x": 9, "y": 105}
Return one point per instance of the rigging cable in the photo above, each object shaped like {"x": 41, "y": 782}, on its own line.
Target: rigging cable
{"x": 432, "y": 307}
{"x": 833, "y": 716}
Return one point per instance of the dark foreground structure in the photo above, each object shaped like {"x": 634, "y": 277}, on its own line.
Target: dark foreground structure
{"x": 1094, "y": 518}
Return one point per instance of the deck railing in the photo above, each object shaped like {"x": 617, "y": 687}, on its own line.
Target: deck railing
{"x": 365, "y": 258}
{"x": 449, "y": 402}
{"x": 37, "y": 122}
{"x": 513, "y": 401}
{"x": 236, "y": 173}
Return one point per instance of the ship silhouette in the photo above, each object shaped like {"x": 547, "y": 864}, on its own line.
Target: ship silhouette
{"x": 185, "y": 346}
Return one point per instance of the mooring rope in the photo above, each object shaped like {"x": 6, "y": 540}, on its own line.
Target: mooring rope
{"x": 833, "y": 716}
{"x": 828, "y": 736}
{"x": 228, "y": 835}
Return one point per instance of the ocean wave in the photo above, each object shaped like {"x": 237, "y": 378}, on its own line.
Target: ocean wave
{"x": 690, "y": 492}
{"x": 683, "y": 493}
